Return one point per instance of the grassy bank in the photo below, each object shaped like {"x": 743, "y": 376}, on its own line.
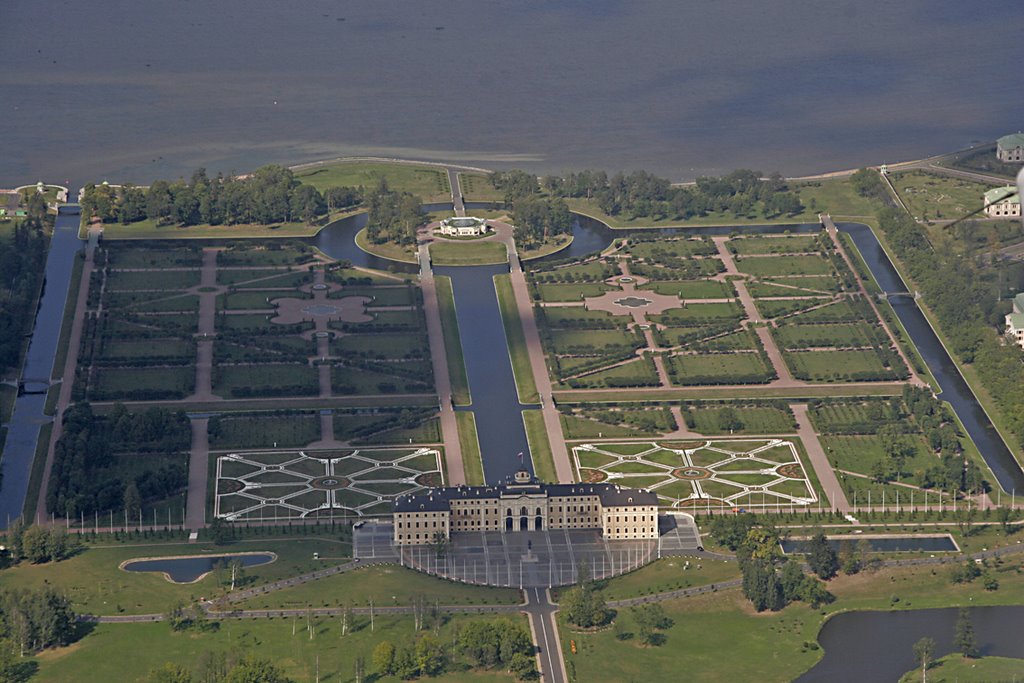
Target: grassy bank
{"x": 388, "y": 250}
{"x": 70, "y": 304}
{"x": 525, "y": 386}
{"x": 540, "y": 446}
{"x": 546, "y": 249}
{"x": 452, "y": 341}
{"x": 472, "y": 464}
{"x": 35, "y": 479}
{"x": 959, "y": 669}
{"x": 693, "y": 393}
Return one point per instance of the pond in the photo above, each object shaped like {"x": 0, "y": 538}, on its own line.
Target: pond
{"x": 882, "y": 544}
{"x": 878, "y": 646}
{"x": 191, "y": 569}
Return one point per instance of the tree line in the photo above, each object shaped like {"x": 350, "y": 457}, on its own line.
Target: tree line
{"x": 536, "y": 218}
{"x": 640, "y": 194}
{"x": 22, "y": 264}
{"x": 86, "y": 478}
{"x": 272, "y": 194}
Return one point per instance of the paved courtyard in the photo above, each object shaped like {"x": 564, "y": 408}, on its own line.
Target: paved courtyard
{"x": 529, "y": 558}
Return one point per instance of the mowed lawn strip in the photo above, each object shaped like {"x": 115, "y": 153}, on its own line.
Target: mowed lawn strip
{"x": 452, "y": 341}
{"x": 540, "y": 446}
{"x": 517, "y": 350}
{"x": 472, "y": 465}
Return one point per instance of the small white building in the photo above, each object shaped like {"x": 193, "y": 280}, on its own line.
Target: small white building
{"x": 1010, "y": 148}
{"x": 1015, "y": 321}
{"x": 1002, "y": 202}
{"x": 464, "y": 226}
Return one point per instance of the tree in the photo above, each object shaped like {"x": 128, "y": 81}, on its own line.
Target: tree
{"x": 821, "y": 557}
{"x": 650, "y": 620}
{"x": 964, "y": 640}
{"x": 729, "y": 420}
{"x": 584, "y": 606}
{"x": 170, "y": 673}
{"x": 359, "y": 668}
{"x": 924, "y": 650}
{"x": 430, "y": 657}
{"x": 384, "y": 658}
{"x": 131, "y": 501}
{"x": 254, "y": 670}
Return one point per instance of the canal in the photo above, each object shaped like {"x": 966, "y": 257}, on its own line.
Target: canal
{"x": 28, "y": 417}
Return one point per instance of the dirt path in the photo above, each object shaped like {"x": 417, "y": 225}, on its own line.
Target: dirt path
{"x": 785, "y": 377}
{"x": 819, "y": 461}
{"x": 442, "y": 379}
{"x": 207, "y": 293}
{"x": 538, "y": 366}
{"x": 198, "y": 474}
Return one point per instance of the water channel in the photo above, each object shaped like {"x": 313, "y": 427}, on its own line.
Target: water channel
{"x": 28, "y": 417}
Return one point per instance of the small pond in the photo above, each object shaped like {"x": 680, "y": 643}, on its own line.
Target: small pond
{"x": 190, "y": 569}
{"x": 882, "y": 544}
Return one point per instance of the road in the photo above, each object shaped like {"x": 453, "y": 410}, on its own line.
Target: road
{"x": 819, "y": 461}
{"x": 544, "y": 628}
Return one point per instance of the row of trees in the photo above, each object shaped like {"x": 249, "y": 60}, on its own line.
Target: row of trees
{"x": 219, "y": 667}
{"x": 22, "y": 264}
{"x": 37, "y": 544}
{"x": 270, "y": 195}
{"x": 85, "y": 477}
{"x": 499, "y": 645}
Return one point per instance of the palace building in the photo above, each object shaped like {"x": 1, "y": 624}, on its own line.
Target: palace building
{"x": 464, "y": 226}
{"x": 525, "y": 505}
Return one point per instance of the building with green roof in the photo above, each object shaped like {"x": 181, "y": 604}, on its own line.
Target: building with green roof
{"x": 1010, "y": 148}
{"x": 1015, "y": 321}
{"x": 1002, "y": 202}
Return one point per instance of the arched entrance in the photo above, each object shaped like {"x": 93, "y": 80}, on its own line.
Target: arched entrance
{"x": 538, "y": 523}
{"x": 524, "y": 519}
{"x": 508, "y": 520}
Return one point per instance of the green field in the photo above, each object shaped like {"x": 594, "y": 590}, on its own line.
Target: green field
{"x": 429, "y": 183}
{"x": 452, "y": 341}
{"x": 838, "y": 366}
{"x": 540, "y": 446}
{"x": 149, "y": 230}
{"x": 469, "y": 442}
{"x": 929, "y": 195}
{"x": 263, "y": 430}
{"x": 792, "y": 244}
{"x": 955, "y": 668}
{"x": 467, "y": 253}
{"x": 101, "y": 656}
{"x": 764, "y": 647}
{"x": 668, "y": 574}
{"x": 290, "y": 379}
{"x": 692, "y": 289}
{"x": 708, "y": 419}
{"x": 478, "y": 188}
{"x": 720, "y": 368}
{"x": 116, "y": 383}
{"x": 784, "y": 265}
{"x": 804, "y": 336}
{"x": 571, "y": 292}
{"x": 518, "y": 353}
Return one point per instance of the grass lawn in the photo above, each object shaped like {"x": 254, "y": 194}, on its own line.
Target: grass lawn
{"x": 692, "y": 289}
{"x": 698, "y": 313}
{"x": 804, "y": 336}
{"x": 956, "y": 668}
{"x": 118, "y": 280}
{"x": 668, "y": 574}
{"x": 520, "y": 357}
{"x": 928, "y": 195}
{"x": 149, "y": 230}
{"x": 69, "y": 316}
{"x": 589, "y": 207}
{"x": 291, "y": 379}
{"x": 835, "y": 197}
{"x": 774, "y": 245}
{"x": 540, "y": 446}
{"x": 264, "y": 430}
{"x": 128, "y": 652}
{"x": 472, "y": 463}
{"x": 571, "y": 292}
{"x": 477, "y": 187}
{"x": 95, "y": 585}
{"x": 467, "y": 253}
{"x": 755, "y": 419}
{"x": 720, "y": 368}
{"x": 836, "y": 365}
{"x": 860, "y": 453}
{"x": 385, "y": 585}
{"x": 132, "y": 256}
{"x": 452, "y": 341}
{"x": 768, "y": 646}
{"x": 115, "y": 383}
{"x": 553, "y": 245}
{"x": 429, "y": 183}
{"x": 389, "y": 250}
{"x": 784, "y": 265}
